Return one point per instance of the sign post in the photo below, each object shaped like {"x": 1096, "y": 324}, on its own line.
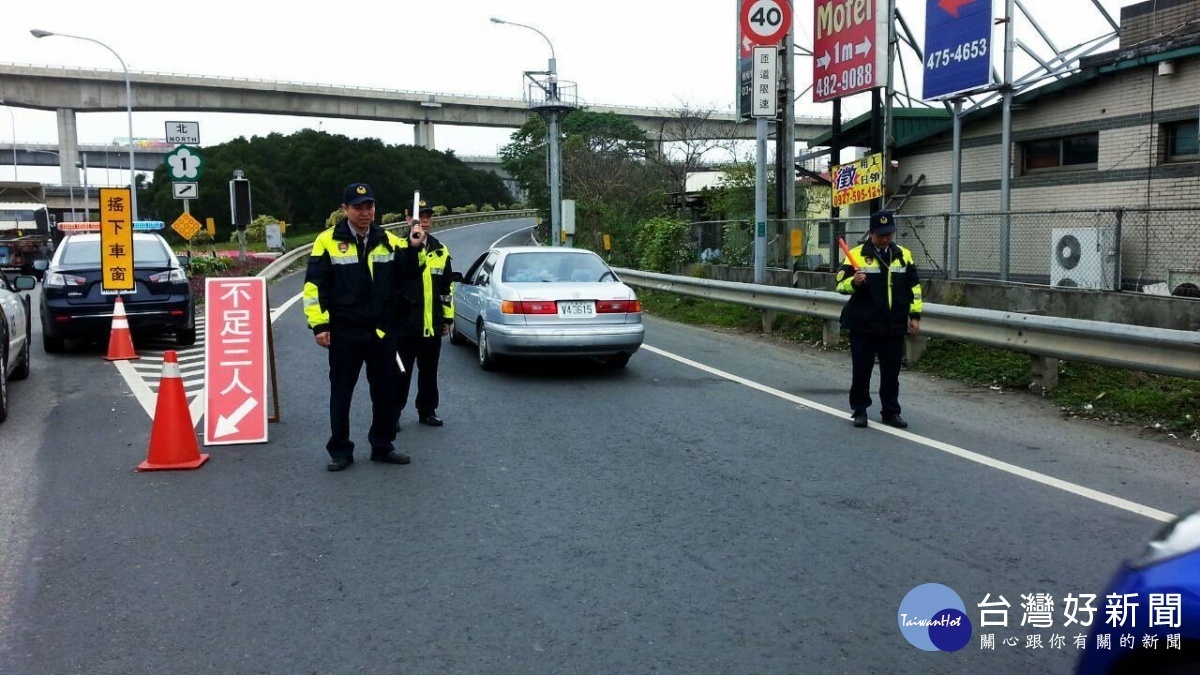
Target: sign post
{"x": 762, "y": 24}
{"x": 235, "y": 360}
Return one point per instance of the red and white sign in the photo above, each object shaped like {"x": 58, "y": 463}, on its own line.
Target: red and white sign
{"x": 764, "y": 23}
{"x": 235, "y": 360}
{"x": 849, "y": 47}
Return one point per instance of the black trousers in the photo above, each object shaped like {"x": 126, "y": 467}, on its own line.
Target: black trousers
{"x": 864, "y": 347}
{"x": 346, "y": 359}
{"x": 424, "y": 352}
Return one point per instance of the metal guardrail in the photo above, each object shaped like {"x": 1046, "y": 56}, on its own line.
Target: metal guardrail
{"x": 284, "y": 261}
{"x": 1152, "y": 350}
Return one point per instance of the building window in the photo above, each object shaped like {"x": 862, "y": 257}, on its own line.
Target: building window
{"x": 1067, "y": 152}
{"x": 1183, "y": 140}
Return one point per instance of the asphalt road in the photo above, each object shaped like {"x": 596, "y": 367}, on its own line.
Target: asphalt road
{"x": 708, "y": 509}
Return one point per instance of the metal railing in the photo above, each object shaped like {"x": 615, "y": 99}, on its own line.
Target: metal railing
{"x": 1152, "y": 350}
{"x": 278, "y": 265}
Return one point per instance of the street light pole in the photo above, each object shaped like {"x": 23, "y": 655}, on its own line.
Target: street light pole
{"x": 128, "y": 109}
{"x": 552, "y": 133}
{"x": 70, "y": 186}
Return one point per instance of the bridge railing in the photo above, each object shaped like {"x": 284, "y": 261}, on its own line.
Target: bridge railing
{"x": 283, "y": 262}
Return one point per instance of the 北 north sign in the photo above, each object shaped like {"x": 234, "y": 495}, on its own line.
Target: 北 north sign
{"x": 849, "y": 47}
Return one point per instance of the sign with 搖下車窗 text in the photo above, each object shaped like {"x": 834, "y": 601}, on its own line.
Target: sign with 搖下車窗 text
{"x": 849, "y": 47}
{"x": 958, "y": 36}
{"x": 859, "y": 181}
{"x": 116, "y": 241}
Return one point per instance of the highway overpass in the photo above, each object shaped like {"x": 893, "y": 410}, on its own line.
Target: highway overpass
{"x": 68, "y": 91}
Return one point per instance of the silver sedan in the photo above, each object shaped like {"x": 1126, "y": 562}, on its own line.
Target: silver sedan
{"x": 535, "y": 301}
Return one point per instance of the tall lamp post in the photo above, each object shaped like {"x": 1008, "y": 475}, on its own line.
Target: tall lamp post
{"x": 70, "y": 186}
{"x": 128, "y": 108}
{"x": 554, "y": 106}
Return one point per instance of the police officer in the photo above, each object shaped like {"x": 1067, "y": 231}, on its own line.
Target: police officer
{"x": 419, "y": 338}
{"x": 885, "y": 305}
{"x": 351, "y": 299}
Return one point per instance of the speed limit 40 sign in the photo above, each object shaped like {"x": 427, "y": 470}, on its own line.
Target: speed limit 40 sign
{"x": 765, "y": 22}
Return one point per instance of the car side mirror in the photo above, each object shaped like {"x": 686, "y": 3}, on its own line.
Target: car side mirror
{"x": 41, "y": 265}
{"x": 25, "y": 282}
{"x": 456, "y": 277}
{"x": 185, "y": 261}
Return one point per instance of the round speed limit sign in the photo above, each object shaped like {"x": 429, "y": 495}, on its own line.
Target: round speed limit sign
{"x": 765, "y": 22}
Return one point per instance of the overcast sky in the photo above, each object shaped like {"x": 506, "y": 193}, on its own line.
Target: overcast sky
{"x": 658, "y": 53}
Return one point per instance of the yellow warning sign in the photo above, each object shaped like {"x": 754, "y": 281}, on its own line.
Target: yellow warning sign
{"x": 186, "y": 225}
{"x": 116, "y": 241}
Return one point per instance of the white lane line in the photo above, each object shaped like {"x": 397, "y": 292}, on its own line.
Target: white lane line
{"x": 285, "y": 306}
{"x": 1066, "y": 486}
{"x": 140, "y": 390}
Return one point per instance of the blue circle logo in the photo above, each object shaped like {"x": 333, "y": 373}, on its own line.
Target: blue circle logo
{"x": 932, "y": 617}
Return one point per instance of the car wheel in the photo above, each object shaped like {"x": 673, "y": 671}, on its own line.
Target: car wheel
{"x": 185, "y": 337}
{"x": 486, "y": 360}
{"x": 457, "y": 338}
{"x": 3, "y": 380}
{"x": 618, "y": 361}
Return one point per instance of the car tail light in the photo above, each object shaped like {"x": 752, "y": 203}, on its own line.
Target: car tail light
{"x": 172, "y": 276}
{"x": 618, "y": 306}
{"x": 529, "y": 307}
{"x": 57, "y": 280}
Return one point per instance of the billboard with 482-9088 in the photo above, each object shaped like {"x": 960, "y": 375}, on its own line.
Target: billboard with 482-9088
{"x": 849, "y": 47}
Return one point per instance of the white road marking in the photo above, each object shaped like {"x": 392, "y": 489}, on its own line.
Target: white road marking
{"x": 1066, "y": 486}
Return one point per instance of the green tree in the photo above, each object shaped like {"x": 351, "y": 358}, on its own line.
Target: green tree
{"x": 604, "y": 170}
{"x": 300, "y": 177}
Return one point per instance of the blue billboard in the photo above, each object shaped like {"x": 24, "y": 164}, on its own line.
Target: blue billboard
{"x": 958, "y": 47}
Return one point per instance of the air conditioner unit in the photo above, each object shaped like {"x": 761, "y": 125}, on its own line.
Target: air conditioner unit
{"x": 1082, "y": 257}
{"x": 1184, "y": 283}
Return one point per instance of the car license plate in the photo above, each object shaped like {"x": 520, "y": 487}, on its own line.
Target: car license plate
{"x": 576, "y": 308}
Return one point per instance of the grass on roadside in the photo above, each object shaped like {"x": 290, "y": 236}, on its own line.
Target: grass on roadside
{"x": 1155, "y": 401}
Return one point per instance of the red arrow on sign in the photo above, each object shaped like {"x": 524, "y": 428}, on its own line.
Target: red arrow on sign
{"x": 952, "y": 6}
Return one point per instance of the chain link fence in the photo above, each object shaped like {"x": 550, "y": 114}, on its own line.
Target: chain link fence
{"x": 1145, "y": 250}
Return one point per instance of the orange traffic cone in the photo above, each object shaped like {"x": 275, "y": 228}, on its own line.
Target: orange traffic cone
{"x": 120, "y": 340}
{"x": 173, "y": 443}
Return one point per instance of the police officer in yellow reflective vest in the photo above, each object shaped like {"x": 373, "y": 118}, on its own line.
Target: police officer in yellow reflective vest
{"x": 419, "y": 338}
{"x": 885, "y": 305}
{"x": 352, "y": 301}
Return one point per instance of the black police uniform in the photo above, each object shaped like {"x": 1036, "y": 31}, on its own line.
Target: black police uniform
{"x": 877, "y": 316}
{"x": 351, "y": 290}
{"x": 419, "y": 333}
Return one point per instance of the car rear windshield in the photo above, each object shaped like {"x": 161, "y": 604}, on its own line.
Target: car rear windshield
{"x": 553, "y": 266}
{"x": 146, "y": 252}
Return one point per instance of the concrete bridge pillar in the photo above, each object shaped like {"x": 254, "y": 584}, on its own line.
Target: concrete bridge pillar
{"x": 68, "y": 146}
{"x": 423, "y": 135}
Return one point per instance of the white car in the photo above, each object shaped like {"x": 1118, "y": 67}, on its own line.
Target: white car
{"x": 15, "y": 327}
{"x": 537, "y": 301}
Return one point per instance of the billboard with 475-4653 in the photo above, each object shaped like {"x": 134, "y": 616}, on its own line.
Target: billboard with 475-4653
{"x": 958, "y": 40}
